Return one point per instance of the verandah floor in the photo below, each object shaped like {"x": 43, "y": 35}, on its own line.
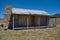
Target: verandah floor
{"x": 33, "y": 27}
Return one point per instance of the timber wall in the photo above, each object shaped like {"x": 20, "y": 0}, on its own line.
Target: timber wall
{"x": 55, "y": 21}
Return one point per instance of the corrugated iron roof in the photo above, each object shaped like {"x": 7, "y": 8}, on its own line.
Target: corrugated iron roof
{"x": 26, "y": 11}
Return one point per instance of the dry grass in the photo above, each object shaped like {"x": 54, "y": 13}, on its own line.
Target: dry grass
{"x": 31, "y": 34}
{"x": 1, "y": 21}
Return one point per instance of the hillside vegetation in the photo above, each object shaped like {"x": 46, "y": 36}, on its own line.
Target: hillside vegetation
{"x": 31, "y": 34}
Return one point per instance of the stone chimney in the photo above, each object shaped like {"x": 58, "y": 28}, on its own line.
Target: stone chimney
{"x": 7, "y": 16}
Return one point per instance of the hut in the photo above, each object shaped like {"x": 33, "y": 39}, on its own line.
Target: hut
{"x": 17, "y": 18}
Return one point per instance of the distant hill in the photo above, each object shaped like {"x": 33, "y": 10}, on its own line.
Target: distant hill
{"x": 1, "y": 18}
{"x": 56, "y": 15}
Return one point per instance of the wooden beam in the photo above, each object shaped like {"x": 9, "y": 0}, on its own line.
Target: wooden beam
{"x": 13, "y": 22}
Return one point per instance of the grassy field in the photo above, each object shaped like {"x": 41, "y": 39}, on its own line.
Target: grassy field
{"x": 31, "y": 34}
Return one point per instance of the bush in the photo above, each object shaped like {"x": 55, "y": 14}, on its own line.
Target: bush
{"x": 1, "y": 25}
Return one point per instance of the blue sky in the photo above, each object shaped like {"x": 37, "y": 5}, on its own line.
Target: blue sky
{"x": 50, "y": 6}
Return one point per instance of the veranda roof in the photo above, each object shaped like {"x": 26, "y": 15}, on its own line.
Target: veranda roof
{"x": 27, "y": 11}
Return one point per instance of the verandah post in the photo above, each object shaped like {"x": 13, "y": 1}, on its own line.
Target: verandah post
{"x": 27, "y": 22}
{"x": 13, "y": 22}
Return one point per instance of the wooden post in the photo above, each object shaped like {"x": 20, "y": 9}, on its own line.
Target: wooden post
{"x": 47, "y": 18}
{"x": 55, "y": 21}
{"x": 27, "y": 22}
{"x": 49, "y": 22}
{"x": 39, "y": 20}
{"x": 13, "y": 22}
